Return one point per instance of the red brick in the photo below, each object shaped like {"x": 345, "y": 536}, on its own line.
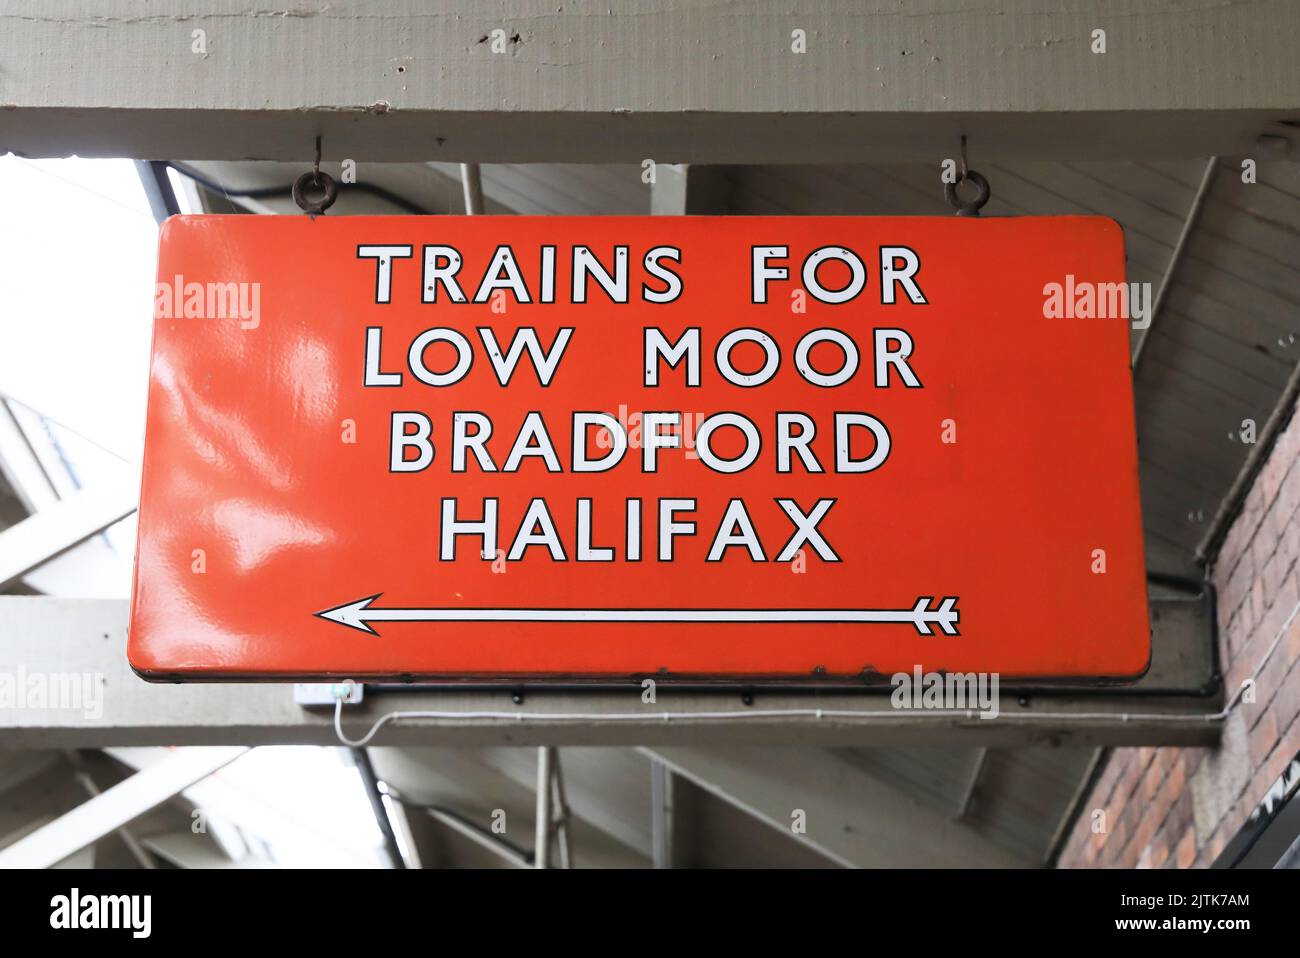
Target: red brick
{"x": 1262, "y": 738}
{"x": 1272, "y": 675}
{"x": 1276, "y": 762}
{"x": 1259, "y": 785}
{"x": 1289, "y": 740}
{"x": 1117, "y": 845}
{"x": 1128, "y": 856}
{"x": 1176, "y": 781}
{"x": 1128, "y": 782}
{"x": 1286, "y": 704}
{"x": 1290, "y": 544}
{"x": 1235, "y": 544}
{"x": 1145, "y": 791}
{"x": 1258, "y": 604}
{"x": 1079, "y": 851}
{"x": 1273, "y": 528}
{"x": 1256, "y": 501}
{"x": 1214, "y": 848}
{"x": 1236, "y": 815}
{"x": 1284, "y": 506}
{"x": 1097, "y": 839}
{"x": 1274, "y": 571}
{"x": 1262, "y": 549}
{"x": 1252, "y": 511}
{"x": 1151, "y": 782}
{"x": 1123, "y": 819}
{"x": 1165, "y": 758}
{"x": 1158, "y": 853}
{"x": 1293, "y": 641}
{"x": 1168, "y": 837}
{"x": 1143, "y": 833}
{"x": 1182, "y": 817}
{"x": 1245, "y": 662}
{"x": 1108, "y": 778}
{"x": 1234, "y": 590}
{"x": 1281, "y": 608}
{"x": 1165, "y": 798}
{"x": 1235, "y": 541}
{"x": 1271, "y": 476}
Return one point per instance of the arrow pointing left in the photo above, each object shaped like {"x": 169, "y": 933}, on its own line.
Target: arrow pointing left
{"x": 359, "y": 614}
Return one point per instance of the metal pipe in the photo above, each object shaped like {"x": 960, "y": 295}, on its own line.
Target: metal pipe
{"x": 1091, "y": 774}
{"x": 371, "y": 784}
{"x": 542, "y": 840}
{"x": 496, "y": 846}
{"x": 82, "y": 775}
{"x": 972, "y": 784}
{"x": 661, "y": 814}
{"x": 157, "y": 189}
{"x": 1193, "y": 212}
{"x": 407, "y": 846}
{"x": 471, "y": 181}
{"x": 562, "y": 813}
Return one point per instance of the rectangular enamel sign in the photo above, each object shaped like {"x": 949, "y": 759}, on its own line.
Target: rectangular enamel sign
{"x": 815, "y": 448}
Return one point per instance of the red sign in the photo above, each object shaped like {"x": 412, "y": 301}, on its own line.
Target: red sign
{"x": 511, "y": 447}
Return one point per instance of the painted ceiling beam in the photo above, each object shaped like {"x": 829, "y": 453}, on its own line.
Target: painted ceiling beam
{"x": 682, "y": 81}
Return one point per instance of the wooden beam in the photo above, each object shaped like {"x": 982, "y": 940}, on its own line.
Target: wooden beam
{"x": 836, "y": 809}
{"x": 683, "y": 81}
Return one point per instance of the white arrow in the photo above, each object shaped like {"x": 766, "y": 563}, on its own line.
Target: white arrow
{"x": 358, "y": 615}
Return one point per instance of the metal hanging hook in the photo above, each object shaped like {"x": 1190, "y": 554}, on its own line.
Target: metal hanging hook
{"x": 973, "y": 206}
{"x": 322, "y": 183}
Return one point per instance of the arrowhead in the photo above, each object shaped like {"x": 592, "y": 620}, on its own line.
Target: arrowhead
{"x": 921, "y": 615}
{"x": 353, "y": 615}
{"x": 948, "y": 615}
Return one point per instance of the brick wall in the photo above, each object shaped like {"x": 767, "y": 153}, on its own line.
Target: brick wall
{"x": 1179, "y": 807}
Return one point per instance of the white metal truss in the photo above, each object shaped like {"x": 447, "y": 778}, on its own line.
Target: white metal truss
{"x": 116, "y": 806}
{"x": 59, "y": 527}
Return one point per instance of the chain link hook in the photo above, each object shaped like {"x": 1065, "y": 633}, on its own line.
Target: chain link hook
{"x": 322, "y": 183}
{"x": 973, "y": 206}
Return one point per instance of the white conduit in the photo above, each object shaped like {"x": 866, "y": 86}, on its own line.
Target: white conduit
{"x": 857, "y": 716}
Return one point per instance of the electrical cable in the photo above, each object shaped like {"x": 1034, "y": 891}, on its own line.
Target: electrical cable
{"x": 817, "y": 714}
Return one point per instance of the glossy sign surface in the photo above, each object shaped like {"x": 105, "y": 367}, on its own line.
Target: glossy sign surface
{"x": 806, "y": 448}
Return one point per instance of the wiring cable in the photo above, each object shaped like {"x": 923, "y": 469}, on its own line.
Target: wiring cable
{"x": 816, "y": 714}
